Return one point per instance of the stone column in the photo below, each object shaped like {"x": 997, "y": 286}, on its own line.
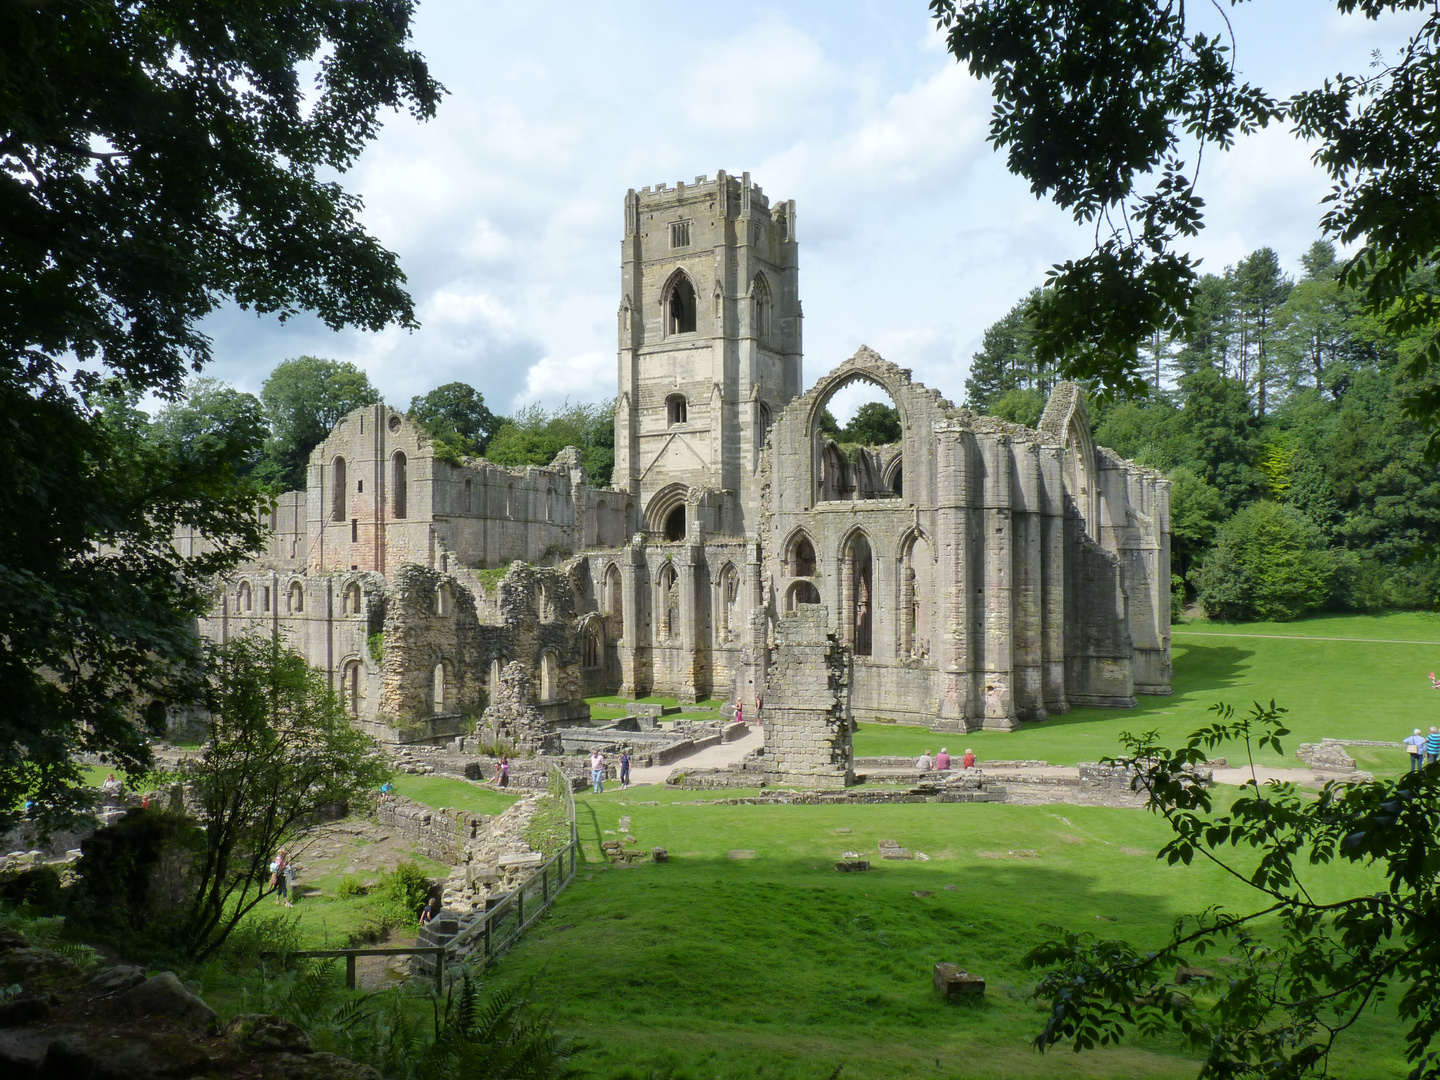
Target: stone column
{"x": 1052, "y": 579}
{"x": 1029, "y": 686}
{"x": 634, "y": 646}
{"x": 807, "y": 704}
{"x": 950, "y": 624}
{"x": 847, "y": 597}
{"x": 690, "y": 578}
{"x": 998, "y": 668}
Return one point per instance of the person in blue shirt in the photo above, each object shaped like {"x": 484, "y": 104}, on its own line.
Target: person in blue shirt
{"x": 1432, "y": 746}
{"x": 1415, "y": 746}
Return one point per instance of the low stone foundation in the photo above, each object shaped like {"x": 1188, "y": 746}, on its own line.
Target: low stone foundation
{"x": 438, "y": 834}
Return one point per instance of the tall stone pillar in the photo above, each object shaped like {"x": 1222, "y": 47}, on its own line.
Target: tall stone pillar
{"x": 1028, "y": 615}
{"x": 1052, "y": 579}
{"x": 998, "y": 669}
{"x": 950, "y": 626}
{"x": 847, "y": 597}
{"x": 690, "y": 579}
{"x": 807, "y": 704}
{"x": 634, "y": 647}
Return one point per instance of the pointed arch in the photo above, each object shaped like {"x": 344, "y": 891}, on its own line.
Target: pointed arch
{"x": 667, "y": 603}
{"x": 661, "y": 508}
{"x": 857, "y": 592}
{"x": 350, "y": 686}
{"x": 678, "y": 300}
{"x": 727, "y": 604}
{"x": 916, "y": 609}
{"x": 799, "y": 559}
{"x": 761, "y": 307}
{"x": 337, "y": 489}
{"x": 399, "y": 484}
{"x": 295, "y": 598}
{"x": 353, "y": 601}
{"x": 613, "y": 600}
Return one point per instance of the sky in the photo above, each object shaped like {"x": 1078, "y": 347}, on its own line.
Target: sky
{"x": 506, "y": 209}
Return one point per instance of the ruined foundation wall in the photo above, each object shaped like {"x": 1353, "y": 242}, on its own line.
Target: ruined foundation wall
{"x": 807, "y": 703}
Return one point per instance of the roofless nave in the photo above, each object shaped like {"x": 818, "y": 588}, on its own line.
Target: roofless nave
{"x": 981, "y": 573}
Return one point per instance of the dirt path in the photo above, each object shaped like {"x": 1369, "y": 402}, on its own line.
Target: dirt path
{"x": 712, "y": 757}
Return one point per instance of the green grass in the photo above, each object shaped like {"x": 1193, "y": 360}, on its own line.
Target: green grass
{"x": 1333, "y": 689}
{"x": 774, "y": 965}
{"x": 438, "y": 791}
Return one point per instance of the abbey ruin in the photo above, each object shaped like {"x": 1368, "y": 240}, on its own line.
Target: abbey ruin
{"x": 977, "y": 573}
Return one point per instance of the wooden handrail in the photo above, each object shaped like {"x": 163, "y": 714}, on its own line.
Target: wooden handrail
{"x": 351, "y": 954}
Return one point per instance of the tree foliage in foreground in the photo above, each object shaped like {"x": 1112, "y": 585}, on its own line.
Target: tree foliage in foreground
{"x": 1307, "y": 964}
{"x": 157, "y": 159}
{"x": 1107, "y": 107}
{"x": 281, "y": 749}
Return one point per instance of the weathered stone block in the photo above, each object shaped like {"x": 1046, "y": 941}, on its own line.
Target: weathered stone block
{"x": 954, "y": 983}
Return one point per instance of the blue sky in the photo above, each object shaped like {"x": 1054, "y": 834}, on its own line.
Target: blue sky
{"x": 506, "y": 209}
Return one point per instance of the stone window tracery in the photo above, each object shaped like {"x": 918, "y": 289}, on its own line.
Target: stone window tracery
{"x": 680, "y": 306}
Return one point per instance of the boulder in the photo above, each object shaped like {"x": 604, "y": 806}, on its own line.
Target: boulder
{"x": 165, "y": 997}
{"x": 40, "y": 971}
{"x": 112, "y": 980}
{"x": 21, "y": 1053}
{"x": 144, "y": 1057}
{"x": 850, "y": 866}
{"x": 22, "y": 1011}
{"x": 258, "y": 1033}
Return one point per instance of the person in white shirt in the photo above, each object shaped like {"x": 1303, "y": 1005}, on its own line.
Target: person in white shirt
{"x": 924, "y": 763}
{"x": 597, "y": 770}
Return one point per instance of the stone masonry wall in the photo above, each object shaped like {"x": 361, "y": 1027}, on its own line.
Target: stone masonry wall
{"x": 807, "y": 703}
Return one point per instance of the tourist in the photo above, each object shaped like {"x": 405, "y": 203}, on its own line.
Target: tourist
{"x": 739, "y": 712}
{"x": 968, "y": 761}
{"x": 597, "y": 771}
{"x": 942, "y": 760}
{"x": 759, "y": 706}
{"x": 387, "y": 791}
{"x": 1432, "y": 746}
{"x": 924, "y": 763}
{"x": 624, "y": 768}
{"x": 1415, "y": 745}
{"x": 144, "y": 802}
{"x": 282, "y": 876}
{"x": 429, "y": 911}
{"x": 502, "y": 771}
{"x": 111, "y": 785}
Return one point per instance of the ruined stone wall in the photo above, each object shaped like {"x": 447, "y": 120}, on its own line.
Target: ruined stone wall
{"x": 438, "y": 834}
{"x": 807, "y": 703}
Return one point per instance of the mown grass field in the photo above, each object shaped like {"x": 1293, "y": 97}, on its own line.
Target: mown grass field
{"x": 1377, "y": 688}
{"x": 749, "y": 956}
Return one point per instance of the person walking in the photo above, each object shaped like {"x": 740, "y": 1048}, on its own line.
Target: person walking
{"x": 597, "y": 771}
{"x": 1432, "y": 746}
{"x": 624, "y": 768}
{"x": 942, "y": 760}
{"x": 282, "y": 876}
{"x": 1415, "y": 747}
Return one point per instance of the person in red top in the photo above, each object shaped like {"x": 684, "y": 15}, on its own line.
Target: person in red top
{"x": 968, "y": 761}
{"x": 942, "y": 759}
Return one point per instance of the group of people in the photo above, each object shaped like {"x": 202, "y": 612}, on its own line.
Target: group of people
{"x": 1423, "y": 749}
{"x": 597, "y": 770}
{"x": 941, "y": 761}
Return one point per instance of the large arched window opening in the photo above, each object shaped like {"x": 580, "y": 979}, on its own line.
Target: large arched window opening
{"x": 917, "y": 578}
{"x": 353, "y": 603}
{"x": 856, "y": 433}
{"x": 296, "y": 597}
{"x": 244, "y": 600}
{"x": 676, "y": 411}
{"x": 727, "y": 607}
{"x": 800, "y": 556}
{"x": 594, "y": 648}
{"x": 337, "y": 489}
{"x": 667, "y": 603}
{"x": 443, "y": 599}
{"x": 680, "y": 305}
{"x": 857, "y": 594}
{"x": 614, "y": 602}
{"x": 399, "y": 481}
{"x": 350, "y": 687}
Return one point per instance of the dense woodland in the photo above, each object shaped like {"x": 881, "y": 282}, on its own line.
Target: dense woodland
{"x": 1297, "y": 480}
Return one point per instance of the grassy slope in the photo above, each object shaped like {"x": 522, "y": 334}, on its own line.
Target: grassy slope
{"x": 438, "y": 791}
{"x": 1335, "y": 689}
{"x": 776, "y": 965}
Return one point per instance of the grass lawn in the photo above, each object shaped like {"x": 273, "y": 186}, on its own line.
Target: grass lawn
{"x": 1371, "y": 689}
{"x": 438, "y": 791}
{"x": 612, "y": 707}
{"x": 749, "y": 956}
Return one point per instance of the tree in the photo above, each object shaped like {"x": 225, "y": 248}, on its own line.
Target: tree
{"x": 535, "y": 436}
{"x": 1006, "y": 360}
{"x": 304, "y": 399}
{"x": 281, "y": 750}
{"x": 1099, "y": 102}
{"x": 1308, "y": 962}
{"x": 1196, "y": 511}
{"x": 1269, "y": 562}
{"x": 874, "y": 424}
{"x": 213, "y": 414}
{"x": 456, "y": 418}
{"x": 1259, "y": 288}
{"x": 157, "y": 159}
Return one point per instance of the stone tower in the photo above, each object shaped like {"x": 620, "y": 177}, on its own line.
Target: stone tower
{"x": 709, "y": 351}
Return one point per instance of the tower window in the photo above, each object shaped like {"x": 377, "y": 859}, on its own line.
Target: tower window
{"x": 679, "y": 234}
{"x": 680, "y": 307}
{"x": 675, "y": 411}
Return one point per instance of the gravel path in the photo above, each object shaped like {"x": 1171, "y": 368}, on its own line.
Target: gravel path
{"x": 712, "y": 757}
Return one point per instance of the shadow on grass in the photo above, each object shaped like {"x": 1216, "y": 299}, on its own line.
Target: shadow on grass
{"x": 1201, "y": 674}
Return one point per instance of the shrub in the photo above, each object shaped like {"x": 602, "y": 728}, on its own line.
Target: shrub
{"x": 404, "y": 890}
{"x": 351, "y": 885}
{"x": 1269, "y": 562}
